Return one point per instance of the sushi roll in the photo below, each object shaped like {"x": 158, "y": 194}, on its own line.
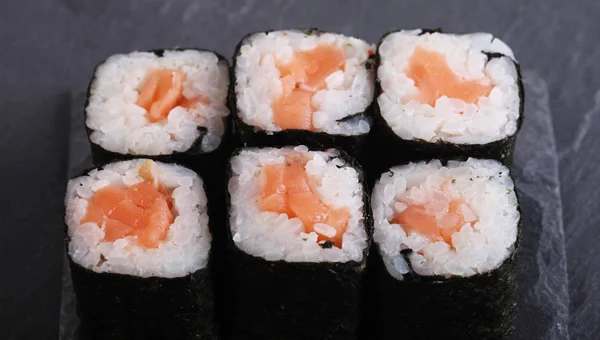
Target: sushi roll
{"x": 445, "y": 96}
{"x": 300, "y": 238}
{"x": 164, "y": 104}
{"x": 303, "y": 87}
{"x": 447, "y": 240}
{"x": 138, "y": 246}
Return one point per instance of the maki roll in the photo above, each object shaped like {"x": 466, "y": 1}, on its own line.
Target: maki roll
{"x": 138, "y": 245}
{"x": 299, "y": 226}
{"x": 303, "y": 87}
{"x": 444, "y": 96}
{"x": 447, "y": 239}
{"x": 167, "y": 104}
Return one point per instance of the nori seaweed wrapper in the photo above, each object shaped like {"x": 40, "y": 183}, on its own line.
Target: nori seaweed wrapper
{"x": 115, "y": 306}
{"x": 481, "y": 306}
{"x": 119, "y": 306}
{"x": 295, "y": 300}
{"x": 249, "y": 135}
{"x": 404, "y": 151}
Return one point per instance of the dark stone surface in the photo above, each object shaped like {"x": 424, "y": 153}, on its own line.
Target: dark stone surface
{"x": 50, "y": 48}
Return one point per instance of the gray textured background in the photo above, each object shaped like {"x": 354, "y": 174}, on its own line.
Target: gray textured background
{"x": 49, "y": 48}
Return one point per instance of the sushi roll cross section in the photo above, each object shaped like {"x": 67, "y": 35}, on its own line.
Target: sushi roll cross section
{"x": 138, "y": 246}
{"x": 164, "y": 102}
{"x": 447, "y": 239}
{"x": 303, "y": 87}
{"x": 442, "y": 96}
{"x": 300, "y": 237}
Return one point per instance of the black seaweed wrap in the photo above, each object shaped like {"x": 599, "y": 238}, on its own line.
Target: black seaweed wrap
{"x": 115, "y": 306}
{"x": 295, "y": 300}
{"x": 118, "y": 306}
{"x": 481, "y": 306}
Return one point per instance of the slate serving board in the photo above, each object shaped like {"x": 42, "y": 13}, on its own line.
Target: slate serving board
{"x": 543, "y": 293}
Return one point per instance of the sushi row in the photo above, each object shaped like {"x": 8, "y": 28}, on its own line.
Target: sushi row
{"x": 174, "y": 235}
{"x": 299, "y": 231}
{"x": 423, "y": 93}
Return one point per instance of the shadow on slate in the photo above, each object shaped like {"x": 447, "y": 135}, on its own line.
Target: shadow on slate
{"x": 542, "y": 308}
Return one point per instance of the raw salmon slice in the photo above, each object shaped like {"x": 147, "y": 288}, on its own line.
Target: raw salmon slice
{"x": 415, "y": 218}
{"x": 93, "y": 214}
{"x": 286, "y": 189}
{"x": 169, "y": 92}
{"x": 142, "y": 210}
{"x": 127, "y": 212}
{"x": 295, "y": 179}
{"x": 275, "y": 203}
{"x": 308, "y": 208}
{"x": 115, "y": 230}
{"x": 146, "y": 96}
{"x": 319, "y": 63}
{"x": 272, "y": 197}
{"x": 455, "y": 221}
{"x": 273, "y": 180}
{"x": 339, "y": 220}
{"x": 109, "y": 197}
{"x": 162, "y": 189}
{"x": 301, "y": 78}
{"x": 160, "y": 93}
{"x": 434, "y": 78}
{"x": 294, "y": 110}
{"x": 154, "y": 225}
{"x": 143, "y": 194}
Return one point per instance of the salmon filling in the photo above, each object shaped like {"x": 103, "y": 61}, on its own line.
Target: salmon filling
{"x": 162, "y": 91}
{"x": 301, "y": 78}
{"x": 434, "y": 79}
{"x": 142, "y": 210}
{"x": 287, "y": 190}
{"x": 437, "y": 220}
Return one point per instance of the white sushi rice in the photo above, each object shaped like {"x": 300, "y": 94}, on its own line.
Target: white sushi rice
{"x": 186, "y": 246}
{"x": 274, "y": 236}
{"x": 492, "y": 118}
{"x": 119, "y": 125}
{"x": 486, "y": 187}
{"x": 258, "y": 84}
